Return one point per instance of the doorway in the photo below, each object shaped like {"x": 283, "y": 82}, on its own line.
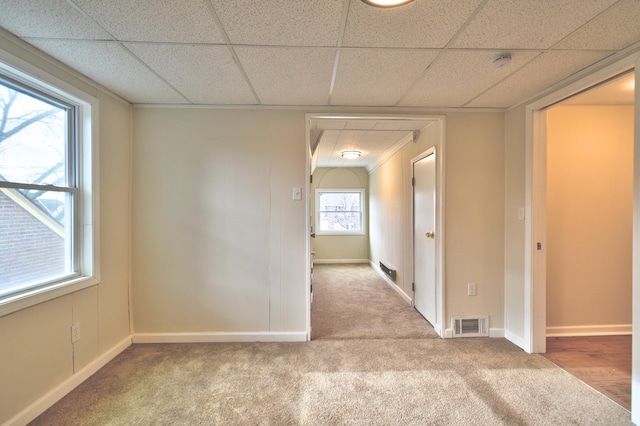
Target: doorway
{"x": 389, "y": 197}
{"x": 535, "y": 285}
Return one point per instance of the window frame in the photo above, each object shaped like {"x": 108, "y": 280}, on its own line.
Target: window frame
{"x": 363, "y": 225}
{"x": 86, "y": 200}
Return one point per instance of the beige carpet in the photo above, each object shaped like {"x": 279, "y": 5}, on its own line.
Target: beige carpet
{"x": 354, "y": 302}
{"x": 335, "y": 381}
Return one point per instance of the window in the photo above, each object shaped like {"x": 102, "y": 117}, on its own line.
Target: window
{"x": 46, "y": 226}
{"x": 339, "y": 211}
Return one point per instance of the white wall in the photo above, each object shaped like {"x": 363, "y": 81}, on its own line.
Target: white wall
{"x": 218, "y": 241}
{"x": 514, "y": 227}
{"x": 36, "y": 354}
{"x": 341, "y": 248}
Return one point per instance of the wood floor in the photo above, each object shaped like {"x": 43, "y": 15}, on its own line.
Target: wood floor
{"x": 603, "y": 362}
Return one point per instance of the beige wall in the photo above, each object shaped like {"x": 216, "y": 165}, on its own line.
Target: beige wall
{"x": 341, "y": 248}
{"x": 36, "y": 354}
{"x": 474, "y": 213}
{"x": 218, "y": 241}
{"x": 589, "y": 215}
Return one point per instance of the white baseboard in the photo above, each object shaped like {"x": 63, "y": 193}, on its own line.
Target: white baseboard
{"x": 220, "y": 337}
{"x": 516, "y": 340}
{"x": 329, "y": 261}
{"x": 42, "y": 404}
{"x": 393, "y": 285}
{"x": 589, "y": 330}
{"x": 496, "y": 333}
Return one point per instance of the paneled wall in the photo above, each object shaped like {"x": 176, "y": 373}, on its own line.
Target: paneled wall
{"x": 218, "y": 241}
{"x": 36, "y": 353}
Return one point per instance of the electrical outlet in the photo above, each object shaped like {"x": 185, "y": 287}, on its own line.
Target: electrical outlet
{"x": 471, "y": 289}
{"x": 75, "y": 332}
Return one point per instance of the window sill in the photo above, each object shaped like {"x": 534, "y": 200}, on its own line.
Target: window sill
{"x": 17, "y": 302}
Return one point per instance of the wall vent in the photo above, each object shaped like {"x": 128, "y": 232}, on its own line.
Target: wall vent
{"x": 388, "y": 271}
{"x": 470, "y": 325}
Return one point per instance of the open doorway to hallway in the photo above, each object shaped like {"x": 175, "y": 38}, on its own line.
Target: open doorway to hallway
{"x": 385, "y": 145}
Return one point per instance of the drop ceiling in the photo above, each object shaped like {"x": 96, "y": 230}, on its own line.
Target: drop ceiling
{"x": 319, "y": 53}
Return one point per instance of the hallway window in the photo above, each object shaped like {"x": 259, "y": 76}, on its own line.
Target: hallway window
{"x": 340, "y": 211}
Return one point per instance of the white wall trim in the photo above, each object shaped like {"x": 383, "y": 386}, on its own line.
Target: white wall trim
{"x": 496, "y": 333}
{"x": 42, "y": 404}
{"x": 341, "y": 261}
{"x": 220, "y": 337}
{"x": 516, "y": 340}
{"x": 590, "y": 330}
{"x": 393, "y": 285}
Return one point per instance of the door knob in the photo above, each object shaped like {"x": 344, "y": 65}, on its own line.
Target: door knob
{"x": 431, "y": 234}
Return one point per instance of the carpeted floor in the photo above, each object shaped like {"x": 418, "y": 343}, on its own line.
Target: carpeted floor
{"x": 375, "y": 379}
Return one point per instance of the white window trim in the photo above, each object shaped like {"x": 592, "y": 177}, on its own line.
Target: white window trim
{"x": 363, "y": 231}
{"x": 88, "y": 196}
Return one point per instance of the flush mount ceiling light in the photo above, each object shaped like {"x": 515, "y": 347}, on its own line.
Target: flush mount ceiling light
{"x": 501, "y": 60}
{"x": 351, "y": 154}
{"x": 386, "y": 3}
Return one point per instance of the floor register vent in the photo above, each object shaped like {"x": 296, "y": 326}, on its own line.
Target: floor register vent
{"x": 470, "y": 325}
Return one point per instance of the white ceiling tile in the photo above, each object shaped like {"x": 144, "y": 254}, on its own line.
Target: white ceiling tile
{"x": 421, "y": 24}
{"x": 505, "y": 24}
{"x": 155, "y": 20}
{"x": 377, "y": 77}
{"x": 545, "y": 70}
{"x": 281, "y": 22}
{"x": 458, "y": 76}
{"x": 115, "y": 68}
{"x": 624, "y": 17}
{"x": 289, "y": 76}
{"x": 48, "y": 18}
{"x": 204, "y": 74}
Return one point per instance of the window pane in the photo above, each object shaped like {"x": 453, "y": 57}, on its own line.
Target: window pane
{"x": 33, "y": 139}
{"x": 35, "y": 238}
{"x": 340, "y": 221}
{"x": 340, "y": 211}
{"x": 340, "y": 201}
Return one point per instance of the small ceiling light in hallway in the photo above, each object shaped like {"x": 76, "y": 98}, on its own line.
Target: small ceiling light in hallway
{"x": 351, "y": 154}
{"x": 386, "y": 3}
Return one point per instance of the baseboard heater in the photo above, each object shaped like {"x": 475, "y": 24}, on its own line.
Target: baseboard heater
{"x": 390, "y": 272}
{"x": 470, "y": 325}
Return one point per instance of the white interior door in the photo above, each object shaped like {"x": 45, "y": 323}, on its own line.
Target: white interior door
{"x": 424, "y": 237}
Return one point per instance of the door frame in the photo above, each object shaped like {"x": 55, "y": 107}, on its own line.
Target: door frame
{"x": 439, "y": 242}
{"x": 439, "y": 210}
{"x": 535, "y": 204}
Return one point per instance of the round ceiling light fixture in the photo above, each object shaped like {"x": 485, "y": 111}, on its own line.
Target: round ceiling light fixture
{"x": 351, "y": 154}
{"x": 501, "y": 60}
{"x": 386, "y": 3}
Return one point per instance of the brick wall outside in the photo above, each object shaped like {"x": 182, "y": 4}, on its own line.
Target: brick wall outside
{"x": 29, "y": 250}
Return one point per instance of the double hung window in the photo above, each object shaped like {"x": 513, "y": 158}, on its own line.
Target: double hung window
{"x": 45, "y": 199}
{"x": 339, "y": 211}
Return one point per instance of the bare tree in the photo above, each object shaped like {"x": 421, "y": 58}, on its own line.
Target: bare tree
{"x": 14, "y": 119}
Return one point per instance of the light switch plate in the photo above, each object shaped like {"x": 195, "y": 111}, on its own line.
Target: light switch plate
{"x": 297, "y": 193}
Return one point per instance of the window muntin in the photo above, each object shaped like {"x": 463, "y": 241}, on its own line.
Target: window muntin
{"x": 38, "y": 188}
{"x": 339, "y": 211}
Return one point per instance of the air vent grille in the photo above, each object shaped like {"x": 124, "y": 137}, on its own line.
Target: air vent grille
{"x": 470, "y": 325}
